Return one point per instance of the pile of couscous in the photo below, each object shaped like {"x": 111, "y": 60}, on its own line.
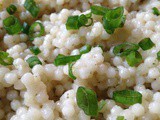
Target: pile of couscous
{"x": 79, "y": 60}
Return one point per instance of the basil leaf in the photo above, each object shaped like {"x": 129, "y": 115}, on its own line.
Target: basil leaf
{"x": 127, "y": 97}
{"x": 87, "y": 101}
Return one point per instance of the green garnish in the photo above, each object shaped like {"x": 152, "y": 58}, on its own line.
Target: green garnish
{"x": 85, "y": 49}
{"x": 158, "y": 55}
{"x": 127, "y": 97}
{"x": 32, "y": 33}
{"x": 87, "y": 101}
{"x": 70, "y": 71}
{"x": 101, "y": 104}
{"x": 31, "y": 6}
{"x": 11, "y": 9}
{"x": 98, "y": 10}
{"x": 114, "y": 18}
{"x": 12, "y": 25}
{"x": 134, "y": 58}
{"x": 146, "y": 44}
{"x": 120, "y": 118}
{"x": 75, "y": 22}
{"x": 32, "y": 61}
{"x": 25, "y": 28}
{"x": 125, "y": 48}
{"x": 156, "y": 11}
{"x": 35, "y": 50}
{"x": 63, "y": 60}
{"x": 5, "y": 59}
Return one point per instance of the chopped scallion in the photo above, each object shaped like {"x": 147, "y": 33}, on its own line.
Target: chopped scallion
{"x": 70, "y": 71}
{"x": 158, "y": 55}
{"x": 31, "y": 6}
{"x": 98, "y": 10}
{"x": 35, "y": 50}
{"x": 5, "y": 59}
{"x": 156, "y": 11}
{"x": 127, "y": 97}
{"x": 72, "y": 23}
{"x": 134, "y": 58}
{"x": 12, "y": 25}
{"x": 113, "y": 19}
{"x": 63, "y": 60}
{"x": 87, "y": 101}
{"x": 75, "y": 22}
{"x": 32, "y": 33}
{"x": 11, "y": 9}
{"x": 25, "y": 28}
{"x": 120, "y": 118}
{"x": 146, "y": 44}
{"x": 125, "y": 48}
{"x": 82, "y": 19}
{"x": 85, "y": 49}
{"x": 101, "y": 104}
{"x": 32, "y": 61}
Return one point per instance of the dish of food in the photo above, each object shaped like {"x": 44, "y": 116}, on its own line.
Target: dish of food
{"x": 79, "y": 60}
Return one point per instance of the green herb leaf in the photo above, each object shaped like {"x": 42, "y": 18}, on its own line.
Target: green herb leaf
{"x": 32, "y": 61}
{"x": 88, "y": 15}
{"x": 5, "y": 59}
{"x": 158, "y": 55}
{"x": 12, "y": 25}
{"x": 72, "y": 23}
{"x": 75, "y": 22}
{"x": 31, "y": 6}
{"x": 101, "y": 104}
{"x": 87, "y": 101}
{"x": 120, "y": 118}
{"x": 98, "y": 10}
{"x": 11, "y": 9}
{"x": 156, "y": 11}
{"x": 85, "y": 49}
{"x": 33, "y": 34}
{"x": 70, "y": 71}
{"x": 134, "y": 58}
{"x": 25, "y": 28}
{"x": 63, "y": 60}
{"x": 127, "y": 97}
{"x": 146, "y": 44}
{"x": 35, "y": 50}
{"x": 82, "y": 19}
{"x": 125, "y": 49}
{"x": 114, "y": 19}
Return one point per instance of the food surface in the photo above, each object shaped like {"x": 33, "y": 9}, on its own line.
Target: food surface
{"x": 79, "y": 60}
